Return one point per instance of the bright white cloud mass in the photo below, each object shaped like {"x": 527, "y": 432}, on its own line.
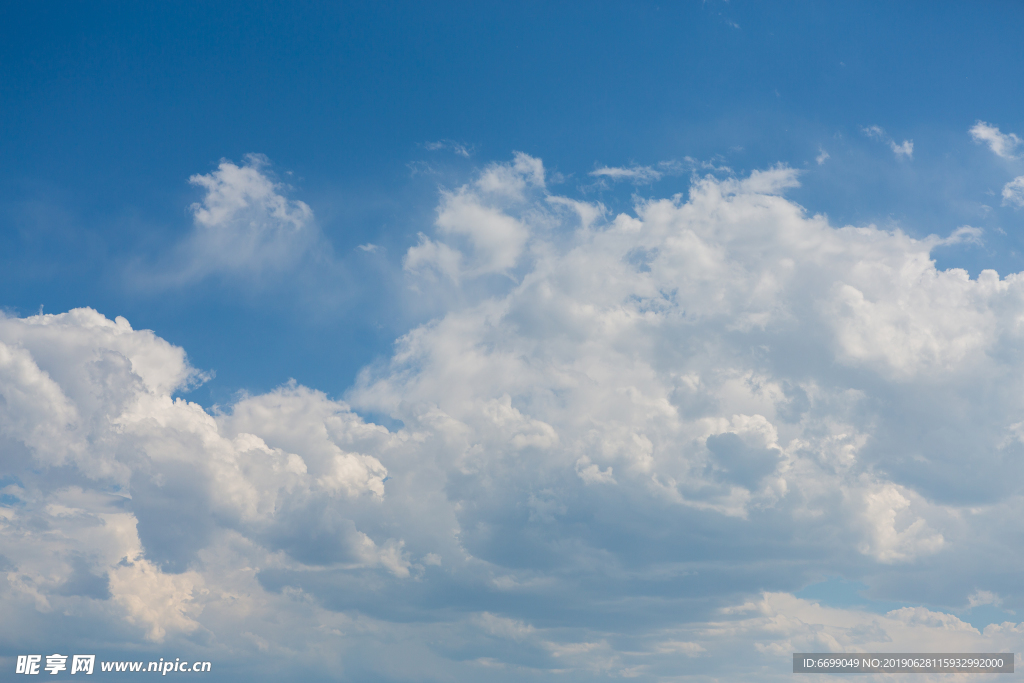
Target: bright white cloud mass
{"x": 622, "y": 449}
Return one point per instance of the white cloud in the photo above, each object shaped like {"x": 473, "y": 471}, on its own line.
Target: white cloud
{"x": 716, "y": 399}
{"x": 781, "y": 624}
{"x": 101, "y": 393}
{"x": 641, "y": 175}
{"x": 884, "y": 540}
{"x": 459, "y": 148}
{"x": 1013, "y": 192}
{"x": 592, "y": 474}
{"x": 822, "y": 156}
{"x": 496, "y": 239}
{"x": 904, "y": 149}
{"x": 244, "y": 227}
{"x": 875, "y": 132}
{"x": 430, "y": 255}
{"x": 645, "y": 175}
{"x": 980, "y": 597}
{"x": 1003, "y": 144}
{"x": 479, "y": 218}
{"x": 154, "y": 600}
{"x": 965, "y": 234}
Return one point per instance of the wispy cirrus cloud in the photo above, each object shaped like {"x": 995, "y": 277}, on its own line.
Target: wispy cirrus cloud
{"x": 645, "y": 175}
{"x": 459, "y": 148}
{"x": 640, "y": 175}
{"x": 901, "y": 150}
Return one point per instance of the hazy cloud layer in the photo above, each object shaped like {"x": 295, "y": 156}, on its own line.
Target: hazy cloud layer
{"x": 626, "y": 444}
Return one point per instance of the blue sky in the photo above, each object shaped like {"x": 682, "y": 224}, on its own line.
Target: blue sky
{"x": 468, "y": 340}
{"x": 109, "y": 109}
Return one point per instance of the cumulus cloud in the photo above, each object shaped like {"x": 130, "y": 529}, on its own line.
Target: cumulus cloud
{"x": 904, "y": 149}
{"x": 622, "y": 459}
{"x": 482, "y": 221}
{"x": 244, "y": 227}
{"x": 1002, "y": 144}
{"x": 153, "y": 480}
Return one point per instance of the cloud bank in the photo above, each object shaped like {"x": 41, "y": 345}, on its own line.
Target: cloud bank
{"x": 621, "y": 450}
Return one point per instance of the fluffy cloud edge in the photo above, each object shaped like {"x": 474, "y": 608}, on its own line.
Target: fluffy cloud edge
{"x": 548, "y": 398}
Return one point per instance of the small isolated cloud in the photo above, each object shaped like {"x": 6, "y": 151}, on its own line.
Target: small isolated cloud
{"x": 965, "y": 234}
{"x": 244, "y": 227}
{"x": 874, "y": 132}
{"x": 822, "y": 156}
{"x": 459, "y": 148}
{"x": 1003, "y": 144}
{"x": 1013, "y": 192}
{"x": 904, "y": 149}
{"x": 980, "y": 597}
{"x": 639, "y": 175}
